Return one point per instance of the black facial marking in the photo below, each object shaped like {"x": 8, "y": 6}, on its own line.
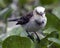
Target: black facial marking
{"x": 39, "y": 23}
{"x": 39, "y": 13}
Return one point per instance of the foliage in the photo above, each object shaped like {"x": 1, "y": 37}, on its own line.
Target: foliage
{"x": 17, "y": 37}
{"x": 11, "y": 42}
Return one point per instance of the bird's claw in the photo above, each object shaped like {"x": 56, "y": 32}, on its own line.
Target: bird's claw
{"x": 38, "y": 40}
{"x": 31, "y": 37}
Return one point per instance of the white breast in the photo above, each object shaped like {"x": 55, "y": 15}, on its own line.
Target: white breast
{"x": 31, "y": 26}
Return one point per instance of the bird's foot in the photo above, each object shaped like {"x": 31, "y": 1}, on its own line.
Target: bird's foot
{"x": 38, "y": 39}
{"x": 31, "y": 37}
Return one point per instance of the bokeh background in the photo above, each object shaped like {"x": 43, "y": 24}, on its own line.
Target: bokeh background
{"x": 12, "y": 9}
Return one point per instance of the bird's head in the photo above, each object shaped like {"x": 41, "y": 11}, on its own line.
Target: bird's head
{"x": 40, "y": 11}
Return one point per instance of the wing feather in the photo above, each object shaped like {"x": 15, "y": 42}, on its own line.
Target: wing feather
{"x": 25, "y": 19}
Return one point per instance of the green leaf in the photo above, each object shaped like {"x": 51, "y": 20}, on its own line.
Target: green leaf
{"x": 22, "y": 2}
{"x": 43, "y": 43}
{"x": 7, "y": 2}
{"x": 54, "y": 45}
{"x": 56, "y": 11}
{"x": 4, "y": 14}
{"x": 49, "y": 30}
{"x": 48, "y": 2}
{"x": 0, "y": 44}
{"x": 17, "y": 42}
{"x": 17, "y": 31}
{"x": 52, "y": 21}
{"x": 54, "y": 40}
{"x": 2, "y": 4}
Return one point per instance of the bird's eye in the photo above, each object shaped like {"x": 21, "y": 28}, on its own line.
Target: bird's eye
{"x": 37, "y": 12}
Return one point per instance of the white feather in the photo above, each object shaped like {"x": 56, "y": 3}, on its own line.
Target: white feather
{"x": 31, "y": 26}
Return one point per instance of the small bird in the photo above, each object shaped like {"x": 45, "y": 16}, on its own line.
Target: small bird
{"x": 33, "y": 21}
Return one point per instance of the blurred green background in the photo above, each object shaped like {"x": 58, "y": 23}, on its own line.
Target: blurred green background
{"x": 14, "y": 36}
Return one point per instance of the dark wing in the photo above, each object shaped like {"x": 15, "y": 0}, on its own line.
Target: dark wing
{"x": 22, "y": 20}
{"x": 25, "y": 19}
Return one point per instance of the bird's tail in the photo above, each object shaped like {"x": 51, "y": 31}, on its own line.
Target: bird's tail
{"x": 16, "y": 19}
